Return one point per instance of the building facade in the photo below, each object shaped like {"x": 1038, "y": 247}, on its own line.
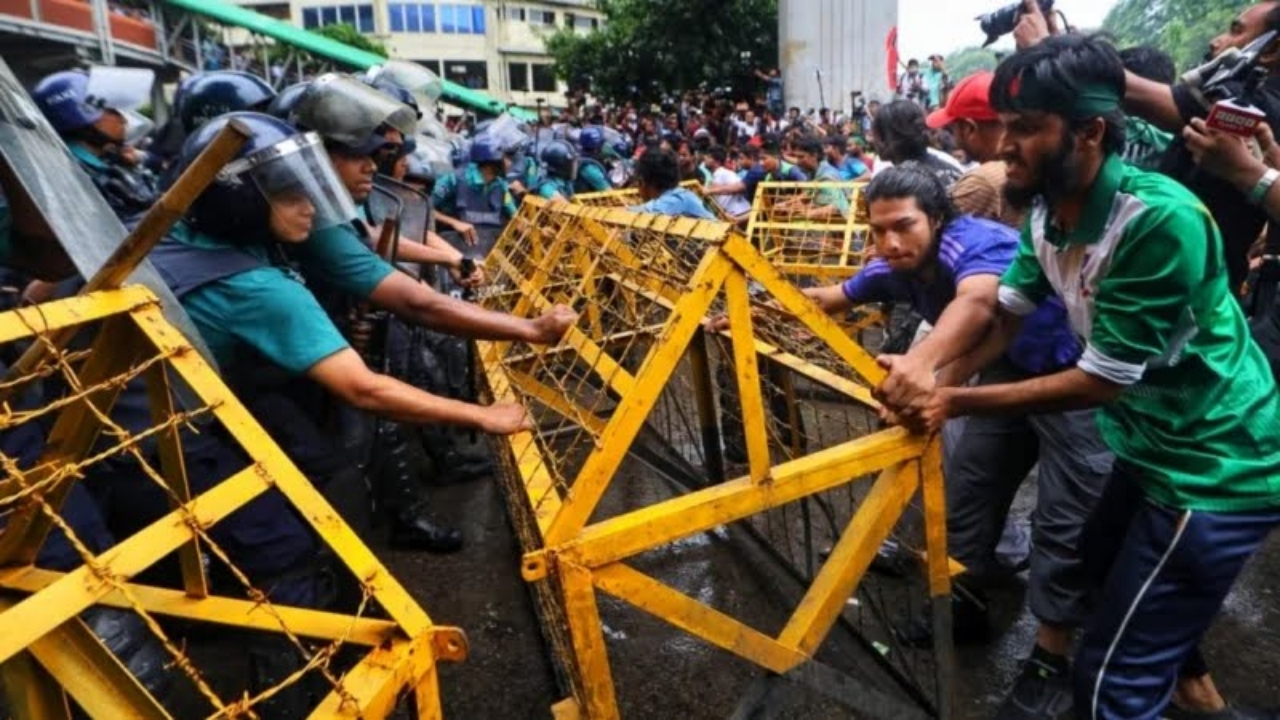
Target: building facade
{"x": 830, "y": 48}
{"x": 491, "y": 45}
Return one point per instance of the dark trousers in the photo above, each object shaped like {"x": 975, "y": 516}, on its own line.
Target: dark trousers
{"x": 1161, "y": 575}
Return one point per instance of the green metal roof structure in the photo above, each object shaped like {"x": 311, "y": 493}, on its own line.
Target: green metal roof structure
{"x": 343, "y": 54}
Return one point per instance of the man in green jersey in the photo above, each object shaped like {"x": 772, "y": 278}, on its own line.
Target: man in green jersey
{"x": 1186, "y": 399}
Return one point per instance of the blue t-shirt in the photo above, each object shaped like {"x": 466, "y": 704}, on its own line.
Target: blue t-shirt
{"x": 677, "y": 202}
{"x": 851, "y": 169}
{"x": 262, "y": 312}
{"x": 972, "y": 246}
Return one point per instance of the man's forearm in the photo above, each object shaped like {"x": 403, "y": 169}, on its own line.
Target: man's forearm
{"x": 961, "y": 326}
{"x": 428, "y": 253}
{"x": 1153, "y": 102}
{"x": 996, "y": 342}
{"x": 419, "y": 304}
{"x": 1071, "y": 389}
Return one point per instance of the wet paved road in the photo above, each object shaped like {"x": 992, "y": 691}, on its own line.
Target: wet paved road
{"x": 662, "y": 674}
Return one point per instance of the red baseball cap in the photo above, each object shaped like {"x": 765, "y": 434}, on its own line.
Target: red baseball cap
{"x": 970, "y": 99}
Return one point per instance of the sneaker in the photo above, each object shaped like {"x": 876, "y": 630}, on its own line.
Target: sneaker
{"x": 1042, "y": 691}
{"x": 1231, "y": 712}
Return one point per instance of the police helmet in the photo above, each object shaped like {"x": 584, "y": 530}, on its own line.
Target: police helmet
{"x": 219, "y": 92}
{"x": 560, "y": 159}
{"x": 485, "y": 149}
{"x": 64, "y": 99}
{"x": 395, "y": 91}
{"x": 277, "y": 161}
{"x": 282, "y": 106}
{"x": 352, "y": 117}
{"x": 591, "y": 140}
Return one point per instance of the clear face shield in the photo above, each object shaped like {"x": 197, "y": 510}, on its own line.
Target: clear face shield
{"x": 348, "y": 111}
{"x": 419, "y": 81}
{"x": 297, "y": 179}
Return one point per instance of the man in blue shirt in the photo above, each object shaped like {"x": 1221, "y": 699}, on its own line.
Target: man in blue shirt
{"x": 658, "y": 172}
{"x": 948, "y": 268}
{"x": 824, "y": 204}
{"x": 849, "y": 167}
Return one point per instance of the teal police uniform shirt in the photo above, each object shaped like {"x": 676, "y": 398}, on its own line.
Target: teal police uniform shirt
{"x": 337, "y": 257}
{"x": 552, "y": 186}
{"x": 590, "y": 175}
{"x": 263, "y": 311}
{"x": 445, "y": 195}
{"x": 677, "y": 202}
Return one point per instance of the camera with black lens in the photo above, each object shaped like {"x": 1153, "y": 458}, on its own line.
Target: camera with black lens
{"x": 1001, "y": 22}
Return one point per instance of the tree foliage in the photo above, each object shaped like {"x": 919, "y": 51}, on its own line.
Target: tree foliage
{"x": 348, "y": 34}
{"x": 1182, "y": 28}
{"x": 651, "y": 48}
{"x": 963, "y": 63}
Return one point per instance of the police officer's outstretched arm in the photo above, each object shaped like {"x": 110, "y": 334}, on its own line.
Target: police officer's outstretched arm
{"x": 345, "y": 374}
{"x": 420, "y": 304}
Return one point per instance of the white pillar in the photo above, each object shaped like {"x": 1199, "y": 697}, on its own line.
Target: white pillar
{"x": 844, "y": 39}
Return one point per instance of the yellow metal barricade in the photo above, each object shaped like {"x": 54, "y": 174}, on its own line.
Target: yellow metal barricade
{"x": 630, "y": 197}
{"x": 49, "y": 654}
{"x": 793, "y": 396}
{"x": 811, "y": 230}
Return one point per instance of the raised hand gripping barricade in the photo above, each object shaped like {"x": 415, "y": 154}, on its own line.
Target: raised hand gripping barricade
{"x": 808, "y": 473}
{"x": 49, "y": 653}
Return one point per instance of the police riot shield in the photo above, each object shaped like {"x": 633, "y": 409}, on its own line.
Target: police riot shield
{"x": 38, "y": 166}
{"x": 414, "y": 207}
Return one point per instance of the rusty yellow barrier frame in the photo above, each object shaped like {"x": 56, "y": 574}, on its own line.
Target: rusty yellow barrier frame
{"x": 628, "y": 197}
{"x": 575, "y": 557}
{"x": 49, "y": 654}
{"x": 791, "y": 225}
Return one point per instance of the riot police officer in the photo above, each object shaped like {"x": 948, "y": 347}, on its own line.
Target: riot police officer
{"x": 561, "y": 163}
{"x": 96, "y": 134}
{"x": 475, "y": 201}
{"x": 357, "y": 125}
{"x": 592, "y": 174}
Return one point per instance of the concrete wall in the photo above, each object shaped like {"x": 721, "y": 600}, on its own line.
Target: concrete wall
{"x": 842, "y": 38}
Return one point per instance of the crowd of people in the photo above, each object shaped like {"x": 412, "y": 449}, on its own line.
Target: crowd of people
{"x": 1080, "y": 313}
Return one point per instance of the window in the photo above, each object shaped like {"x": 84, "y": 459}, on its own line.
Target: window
{"x": 468, "y": 73}
{"x": 358, "y": 16}
{"x": 518, "y": 76}
{"x": 568, "y": 20}
{"x": 412, "y": 17}
{"x": 544, "y": 78}
{"x": 432, "y": 65}
{"x": 541, "y": 17}
{"x": 511, "y": 13}
{"x": 462, "y": 19}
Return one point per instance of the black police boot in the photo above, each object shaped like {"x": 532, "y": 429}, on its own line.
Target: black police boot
{"x": 413, "y": 529}
{"x": 402, "y": 495}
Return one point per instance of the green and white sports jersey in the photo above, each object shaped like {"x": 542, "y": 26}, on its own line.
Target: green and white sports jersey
{"x": 1145, "y": 285}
